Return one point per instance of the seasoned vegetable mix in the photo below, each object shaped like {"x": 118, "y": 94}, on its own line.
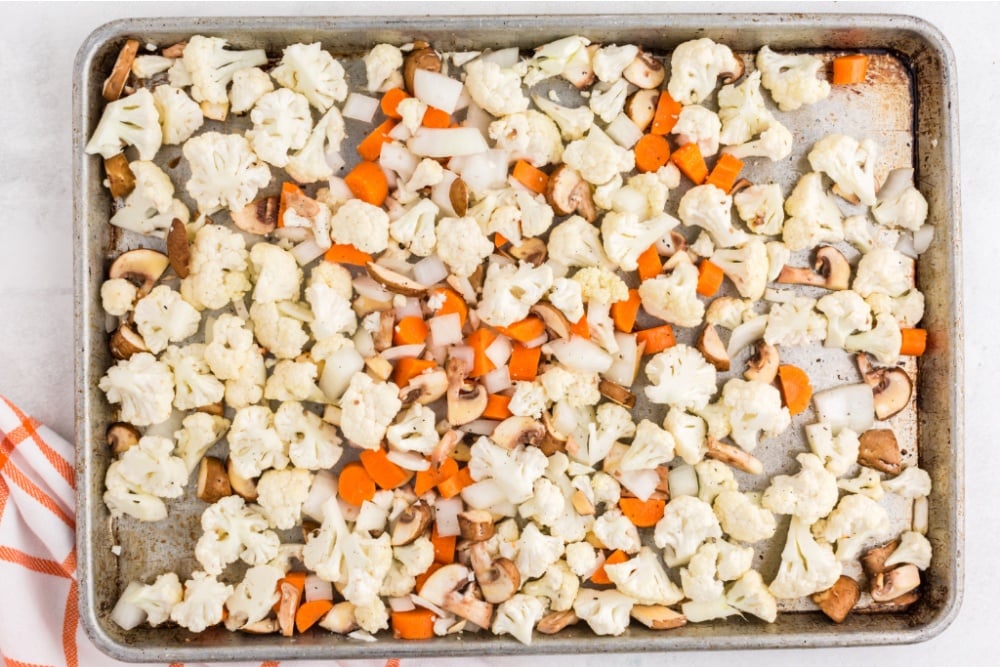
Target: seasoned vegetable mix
{"x": 418, "y": 364}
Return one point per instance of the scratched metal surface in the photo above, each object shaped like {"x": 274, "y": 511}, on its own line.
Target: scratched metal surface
{"x": 907, "y": 108}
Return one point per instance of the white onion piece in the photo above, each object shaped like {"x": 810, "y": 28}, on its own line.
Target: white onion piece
{"x": 334, "y": 159}
{"x": 483, "y": 171}
{"x": 579, "y": 354}
{"x": 775, "y": 295}
{"x": 441, "y": 193}
{"x": 408, "y": 460}
{"x": 597, "y": 565}
{"x": 338, "y": 189}
{"x": 293, "y": 234}
{"x": 564, "y": 418}
{"x": 126, "y": 614}
{"x": 896, "y": 182}
{"x": 463, "y": 353}
{"x": 400, "y": 132}
{"x": 623, "y": 131}
{"x": 625, "y": 365}
{"x": 437, "y": 90}
{"x": 446, "y": 516}
{"x": 922, "y": 238}
{"x": 850, "y": 405}
{"x": 446, "y": 330}
{"x": 307, "y": 251}
{"x": 683, "y": 481}
{"x": 460, "y": 58}
{"x": 499, "y": 350}
{"x": 240, "y": 308}
{"x": 746, "y": 333}
{"x": 402, "y": 351}
{"x": 367, "y": 287}
{"x": 360, "y": 107}
{"x": 497, "y": 380}
{"x": 427, "y": 604}
{"x": 364, "y": 343}
{"x": 324, "y": 487}
{"x": 438, "y": 353}
{"x": 468, "y": 292}
{"x": 396, "y": 157}
{"x": 401, "y": 604}
{"x": 317, "y": 589}
{"x": 349, "y": 511}
{"x": 904, "y": 245}
{"x": 479, "y": 427}
{"x": 447, "y": 142}
{"x": 409, "y": 307}
{"x": 642, "y": 483}
{"x": 476, "y": 117}
{"x": 430, "y": 270}
{"x": 464, "y": 100}
{"x": 503, "y": 508}
{"x": 504, "y": 57}
{"x": 338, "y": 369}
{"x": 483, "y": 494}
{"x": 362, "y": 636}
{"x": 921, "y": 515}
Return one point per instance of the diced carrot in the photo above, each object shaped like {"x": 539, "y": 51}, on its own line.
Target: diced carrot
{"x": 580, "y": 328}
{"x": 650, "y": 265}
{"x": 499, "y": 240}
{"x": 453, "y": 486}
{"x": 689, "y": 160}
{"x": 368, "y": 183}
{"x": 652, "y": 151}
{"x": 623, "y": 313}
{"x": 525, "y": 330}
{"x": 530, "y": 177}
{"x": 795, "y": 388}
{"x": 310, "y": 612}
{"x": 428, "y": 479}
{"x": 355, "y": 485}
{"x": 709, "y": 278}
{"x": 436, "y": 118}
{"x": 523, "y": 364}
{"x": 345, "y": 253}
{"x": 390, "y": 101}
{"x": 384, "y": 472}
{"x": 479, "y": 340}
{"x": 642, "y": 513}
{"x": 850, "y": 69}
{"x": 410, "y": 331}
{"x": 668, "y": 111}
{"x": 444, "y": 547}
{"x": 288, "y": 192}
{"x": 725, "y": 172}
{"x": 425, "y": 575}
{"x": 914, "y": 342}
{"x": 657, "y": 339}
{"x": 408, "y": 368}
{"x": 497, "y": 407}
{"x": 453, "y": 303}
{"x": 600, "y": 576}
{"x": 413, "y": 624}
{"x": 370, "y": 147}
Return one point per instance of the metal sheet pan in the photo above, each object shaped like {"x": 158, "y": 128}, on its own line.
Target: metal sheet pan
{"x": 911, "y": 111}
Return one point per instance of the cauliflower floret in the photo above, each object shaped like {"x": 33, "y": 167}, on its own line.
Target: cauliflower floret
{"x": 698, "y": 578}
{"x": 714, "y": 477}
{"x": 582, "y": 558}
{"x": 644, "y": 580}
{"x": 514, "y": 470}
{"x": 253, "y": 598}
{"x": 652, "y": 446}
{"x": 150, "y": 208}
{"x": 381, "y": 63}
{"x": 612, "y": 422}
{"x": 546, "y": 504}
{"x": 597, "y": 158}
{"x": 372, "y": 616}
{"x": 734, "y": 561}
{"x": 573, "y": 122}
{"x": 775, "y": 143}
{"x": 293, "y": 381}
{"x": 123, "y": 497}
{"x": 310, "y": 164}
{"x": 747, "y": 266}
{"x": 202, "y": 607}
{"x": 626, "y": 236}
{"x": 867, "y": 483}
{"x": 462, "y": 245}
{"x": 687, "y": 522}
{"x": 234, "y": 357}
{"x": 567, "y": 296}
{"x": 218, "y": 269}
{"x": 610, "y": 61}
{"x": 536, "y": 214}
{"x": 846, "y": 312}
{"x": 281, "y": 122}
{"x": 414, "y": 431}
{"x": 911, "y": 483}
{"x": 254, "y": 444}
{"x": 530, "y": 135}
{"x": 673, "y": 297}
{"x": 198, "y": 432}
{"x": 560, "y": 57}
{"x": 761, "y": 207}
{"x": 901, "y": 206}
{"x": 224, "y": 171}
{"x": 280, "y": 494}
{"x": 276, "y": 274}
{"x": 163, "y": 317}
{"x": 249, "y": 85}
{"x": 857, "y": 520}
{"x": 752, "y": 596}
{"x": 211, "y": 67}
{"x": 710, "y": 208}
{"x": 702, "y": 246}
{"x": 850, "y": 164}
{"x": 606, "y": 612}
{"x": 838, "y": 452}
{"x": 149, "y": 467}
{"x": 576, "y": 242}
{"x": 145, "y": 67}
{"x": 518, "y": 616}
{"x": 809, "y": 495}
{"x": 313, "y": 444}
{"x": 742, "y": 111}
{"x": 528, "y": 400}
{"x": 143, "y": 386}
{"x": 882, "y": 342}
{"x": 368, "y": 409}
{"x": 195, "y": 386}
{"x": 607, "y": 101}
{"x": 616, "y": 531}
{"x": 281, "y": 335}
{"x": 858, "y": 232}
{"x": 754, "y": 409}
{"x": 728, "y": 311}
{"x": 791, "y": 79}
{"x": 559, "y": 586}
{"x": 180, "y": 116}
{"x": 311, "y": 71}
{"x": 415, "y": 558}
{"x": 129, "y": 121}
{"x": 118, "y": 296}
{"x": 743, "y": 518}
{"x": 232, "y": 531}
{"x": 155, "y": 600}
{"x": 807, "y": 566}
{"x": 495, "y": 89}
{"x": 414, "y": 228}
{"x": 909, "y": 308}
{"x": 795, "y": 322}
{"x": 814, "y": 216}
{"x": 509, "y": 292}
{"x": 883, "y": 271}
{"x": 646, "y": 196}
{"x": 362, "y": 225}
{"x": 689, "y": 433}
{"x": 329, "y": 295}
{"x": 536, "y": 552}
{"x": 680, "y": 377}
{"x": 696, "y": 65}
{"x": 698, "y": 125}
{"x": 913, "y": 548}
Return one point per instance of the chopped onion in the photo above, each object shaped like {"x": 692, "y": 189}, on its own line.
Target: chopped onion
{"x": 400, "y": 132}
{"x": 295, "y": 310}
{"x": 441, "y": 193}
{"x": 364, "y": 343}
{"x": 463, "y": 353}
{"x": 746, "y": 333}
{"x": 446, "y": 515}
{"x": 499, "y": 350}
{"x": 240, "y": 308}
{"x": 503, "y": 508}
{"x": 334, "y": 159}
{"x": 408, "y": 460}
{"x": 895, "y": 183}
{"x": 339, "y": 190}
{"x": 597, "y": 564}
{"x": 465, "y": 289}
{"x": 361, "y": 635}
{"x": 349, "y": 511}
{"x": 775, "y": 295}
{"x": 537, "y": 342}
{"x": 367, "y": 287}
{"x": 165, "y": 429}
{"x": 447, "y": 330}
{"x": 401, "y": 351}
{"x": 476, "y": 117}
{"x": 402, "y": 604}
{"x": 579, "y": 354}
{"x": 427, "y": 604}
{"x": 904, "y": 245}
{"x": 623, "y": 131}
{"x": 850, "y": 405}
{"x": 683, "y": 481}
{"x": 360, "y": 107}
{"x": 479, "y": 427}
{"x": 430, "y": 270}
{"x": 447, "y": 142}
{"x": 483, "y": 494}
{"x": 396, "y": 157}
{"x": 625, "y": 365}
{"x": 437, "y": 90}
{"x": 438, "y": 353}
{"x": 126, "y": 614}
{"x": 338, "y": 369}
{"x": 497, "y": 380}
{"x": 464, "y": 100}
{"x": 317, "y": 589}
{"x": 484, "y": 170}
{"x": 293, "y": 234}
{"x": 920, "y": 515}
{"x": 307, "y": 251}
{"x": 324, "y": 487}
{"x": 642, "y": 483}
{"x": 922, "y": 238}
{"x": 564, "y": 418}
{"x": 460, "y": 58}
{"x": 409, "y": 307}
{"x": 504, "y": 57}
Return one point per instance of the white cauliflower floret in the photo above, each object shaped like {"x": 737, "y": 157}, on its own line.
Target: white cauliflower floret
{"x": 850, "y": 164}
{"x": 536, "y": 214}
{"x": 775, "y": 143}
{"x": 254, "y": 445}
{"x": 807, "y": 566}
{"x": 546, "y": 504}
{"x": 746, "y": 266}
{"x": 754, "y": 409}
{"x": 809, "y": 495}
{"x": 509, "y": 292}
{"x": 838, "y": 452}
{"x": 703, "y": 246}
{"x": 123, "y": 497}
{"x": 414, "y": 228}
{"x": 530, "y": 135}
{"x": 163, "y": 317}
{"x": 909, "y": 308}
{"x": 118, "y": 296}
{"x": 381, "y": 62}
{"x": 573, "y": 122}
{"x": 689, "y": 433}
{"x": 567, "y": 296}
{"x": 415, "y": 558}
{"x": 680, "y": 377}
{"x": 514, "y": 470}
{"x": 249, "y": 85}
{"x": 313, "y": 444}
{"x": 901, "y": 207}
{"x": 698, "y": 579}
{"x": 495, "y": 89}
{"x": 652, "y": 446}
{"x": 536, "y": 552}
{"x": 846, "y": 312}
{"x": 368, "y": 407}
{"x": 791, "y": 79}
{"x": 714, "y": 477}
{"x": 867, "y": 483}
{"x": 362, "y": 225}
{"x": 626, "y": 236}
{"x": 581, "y": 558}
{"x": 612, "y": 422}
{"x": 606, "y": 612}
{"x": 129, "y": 121}
{"x": 857, "y": 521}
{"x": 597, "y": 158}
{"x": 276, "y": 274}
{"x": 150, "y": 208}
{"x": 710, "y": 208}
{"x": 293, "y": 381}
{"x": 150, "y": 467}
{"x": 145, "y": 67}
{"x": 198, "y": 432}
{"x": 372, "y": 616}
{"x": 253, "y": 598}
{"x": 143, "y": 386}
{"x": 911, "y": 483}
{"x": 734, "y": 561}
{"x": 225, "y": 172}
{"x": 155, "y": 600}
{"x": 616, "y": 531}
{"x": 795, "y": 322}
{"x": 882, "y": 342}
{"x": 329, "y": 295}
{"x": 211, "y": 66}
{"x": 281, "y": 335}
{"x": 698, "y": 125}
{"x": 528, "y": 400}
{"x": 180, "y": 116}
{"x": 858, "y": 232}
{"x": 177, "y": 74}
{"x": 883, "y": 271}
{"x": 646, "y": 196}
{"x": 414, "y": 431}
{"x": 311, "y": 71}
{"x": 778, "y": 255}
{"x": 576, "y": 242}
{"x": 518, "y": 616}
{"x": 281, "y": 122}
{"x": 218, "y": 268}
{"x": 728, "y": 311}
{"x": 752, "y": 596}
{"x": 913, "y": 548}
{"x": 644, "y": 580}
{"x": 555, "y": 58}
{"x": 687, "y": 522}
{"x": 673, "y": 297}
{"x": 742, "y": 111}
{"x": 607, "y": 102}
{"x": 462, "y": 245}
{"x": 202, "y": 607}
{"x": 195, "y": 385}
{"x": 280, "y": 493}
{"x": 743, "y": 518}
{"x": 814, "y": 216}
{"x": 234, "y": 357}
{"x": 310, "y": 164}
{"x": 761, "y": 207}
{"x": 234, "y": 531}
{"x": 412, "y": 112}
{"x": 695, "y": 66}
{"x": 610, "y": 61}
{"x": 606, "y": 490}
{"x": 559, "y": 586}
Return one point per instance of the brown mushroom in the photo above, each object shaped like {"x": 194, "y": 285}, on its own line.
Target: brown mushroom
{"x": 217, "y": 409}
{"x": 763, "y": 363}
{"x": 475, "y": 525}
{"x": 499, "y": 579}
{"x": 892, "y": 387}
{"x": 743, "y": 184}
{"x": 378, "y": 368}
{"x": 395, "y": 282}
{"x": 178, "y": 249}
{"x": 838, "y": 600}
{"x": 141, "y": 266}
{"x": 425, "y": 388}
{"x": 264, "y": 626}
{"x": 733, "y": 455}
{"x": 469, "y": 606}
{"x": 258, "y": 217}
{"x": 830, "y": 270}
{"x": 213, "y": 481}
{"x": 466, "y": 400}
{"x": 616, "y": 393}
{"x": 873, "y": 560}
{"x": 458, "y": 195}
{"x": 121, "y": 436}
{"x": 125, "y": 342}
{"x": 567, "y": 193}
{"x": 243, "y": 487}
{"x": 658, "y": 617}
{"x": 515, "y": 431}
{"x": 288, "y": 604}
{"x": 554, "y": 441}
{"x": 382, "y": 339}
{"x": 640, "y": 107}
{"x": 340, "y": 619}
{"x": 532, "y": 251}
{"x": 444, "y": 588}
{"x": 421, "y": 57}
{"x": 115, "y": 83}
{"x": 712, "y": 348}
{"x": 555, "y": 322}
{"x": 879, "y": 449}
{"x": 898, "y": 581}
{"x": 411, "y": 524}
{"x": 308, "y": 528}
{"x": 446, "y": 446}
{"x": 645, "y": 71}
{"x": 728, "y": 77}
{"x": 579, "y": 71}
{"x": 895, "y": 605}
{"x": 554, "y": 621}
{"x": 443, "y": 581}
{"x": 121, "y": 180}
{"x": 174, "y": 50}
{"x": 849, "y": 197}
{"x": 582, "y": 504}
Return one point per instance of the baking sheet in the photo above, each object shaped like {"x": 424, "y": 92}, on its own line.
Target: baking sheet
{"x": 908, "y": 110}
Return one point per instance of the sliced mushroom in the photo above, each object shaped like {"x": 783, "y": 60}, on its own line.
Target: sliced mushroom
{"x": 379, "y": 368}
{"x": 125, "y": 342}
{"x": 895, "y": 605}
{"x": 554, "y": 440}
{"x": 458, "y": 195}
{"x": 849, "y": 197}
{"x": 475, "y": 525}
{"x": 217, "y": 409}
{"x": 446, "y": 446}
{"x": 395, "y": 282}
{"x": 879, "y": 449}
{"x": 411, "y": 524}
{"x": 308, "y": 527}
{"x": 174, "y": 50}
{"x": 288, "y": 604}
{"x": 838, "y": 600}
{"x": 763, "y": 364}
{"x": 830, "y": 270}
{"x": 468, "y": 606}
{"x": 617, "y": 394}
{"x": 444, "y": 581}
{"x": 425, "y": 388}
{"x": 891, "y": 386}
{"x": 737, "y": 71}
{"x": 645, "y": 71}
{"x": 264, "y": 626}
{"x": 555, "y": 322}
{"x": 499, "y": 579}
{"x": 121, "y": 180}
{"x": 733, "y": 455}
{"x": 640, "y": 107}
{"x": 894, "y": 583}
{"x": 213, "y": 481}
{"x": 531, "y": 250}
{"x": 658, "y": 617}
{"x": 582, "y": 504}
{"x": 554, "y": 621}
{"x": 340, "y": 619}
{"x": 258, "y": 217}
{"x": 243, "y": 487}
{"x": 178, "y": 249}
{"x": 115, "y": 83}
{"x": 712, "y": 348}
{"x": 743, "y": 184}
{"x": 568, "y": 193}
{"x": 364, "y": 305}
{"x": 663, "y": 486}
{"x": 421, "y": 57}
{"x": 466, "y": 400}
{"x": 121, "y": 436}
{"x": 515, "y": 431}
{"x": 141, "y": 266}
{"x": 215, "y": 110}
{"x": 873, "y": 560}
{"x": 579, "y": 71}
{"x": 382, "y": 339}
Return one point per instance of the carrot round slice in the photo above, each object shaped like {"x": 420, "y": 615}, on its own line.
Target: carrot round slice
{"x": 795, "y": 388}
{"x": 355, "y": 485}
{"x": 652, "y": 151}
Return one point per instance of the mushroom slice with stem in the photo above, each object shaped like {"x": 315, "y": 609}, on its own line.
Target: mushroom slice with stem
{"x": 830, "y": 270}
{"x": 421, "y": 57}
{"x": 475, "y": 525}
{"x": 640, "y": 107}
{"x": 446, "y": 446}
{"x": 499, "y": 579}
{"x": 288, "y": 604}
{"x": 115, "y": 83}
{"x": 178, "y": 249}
{"x": 466, "y": 400}
{"x": 898, "y": 581}
{"x": 733, "y": 455}
{"x": 617, "y": 394}
{"x": 712, "y": 348}
{"x": 737, "y": 71}
{"x": 444, "y": 581}
{"x": 582, "y": 504}
{"x": 891, "y": 387}
{"x": 531, "y": 250}
{"x": 895, "y": 605}
{"x": 568, "y": 193}
{"x": 838, "y": 600}
{"x": 873, "y": 560}
{"x": 411, "y": 524}
{"x": 555, "y": 621}
{"x": 382, "y": 340}
{"x": 174, "y": 50}
{"x": 763, "y": 363}
{"x": 243, "y": 487}
{"x": 515, "y": 431}
{"x": 469, "y": 606}
{"x": 213, "y": 481}
{"x": 258, "y": 217}
{"x": 395, "y": 282}
{"x": 340, "y": 619}
{"x": 125, "y": 342}
{"x": 121, "y": 436}
{"x": 264, "y": 626}
{"x": 425, "y": 388}
{"x": 554, "y": 440}
{"x": 879, "y": 449}
{"x": 121, "y": 180}
{"x": 658, "y": 617}
{"x": 555, "y": 322}
{"x": 141, "y": 266}
{"x": 645, "y": 71}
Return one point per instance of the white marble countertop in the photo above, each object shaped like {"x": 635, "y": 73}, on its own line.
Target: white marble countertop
{"x": 38, "y": 42}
